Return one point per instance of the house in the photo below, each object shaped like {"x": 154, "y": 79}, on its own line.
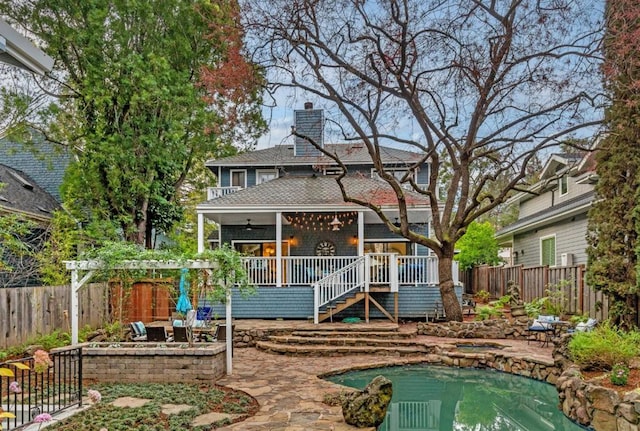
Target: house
{"x": 551, "y": 228}
{"x": 17, "y": 50}
{"x": 20, "y": 195}
{"x": 309, "y": 252}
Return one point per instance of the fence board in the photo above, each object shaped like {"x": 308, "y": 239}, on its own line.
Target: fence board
{"x": 534, "y": 282}
{"x": 28, "y": 311}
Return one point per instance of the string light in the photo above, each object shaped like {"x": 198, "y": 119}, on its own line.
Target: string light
{"x": 321, "y": 221}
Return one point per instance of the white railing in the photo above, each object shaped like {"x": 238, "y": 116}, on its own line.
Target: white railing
{"x": 418, "y": 270}
{"x": 384, "y": 269}
{"x": 338, "y": 284}
{"x": 216, "y": 192}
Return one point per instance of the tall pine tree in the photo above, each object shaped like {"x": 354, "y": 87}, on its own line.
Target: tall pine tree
{"x": 613, "y": 220}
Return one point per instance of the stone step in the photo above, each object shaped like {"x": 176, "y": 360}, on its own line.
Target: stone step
{"x": 353, "y": 334}
{"x": 323, "y": 350}
{"x": 341, "y": 341}
{"x": 341, "y": 327}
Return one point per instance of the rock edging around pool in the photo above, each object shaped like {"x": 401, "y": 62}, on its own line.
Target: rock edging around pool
{"x": 586, "y": 403}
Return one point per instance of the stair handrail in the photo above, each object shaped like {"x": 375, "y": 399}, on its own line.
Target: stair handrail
{"x": 337, "y": 284}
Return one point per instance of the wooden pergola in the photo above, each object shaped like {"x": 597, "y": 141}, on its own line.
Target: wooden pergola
{"x": 87, "y": 268}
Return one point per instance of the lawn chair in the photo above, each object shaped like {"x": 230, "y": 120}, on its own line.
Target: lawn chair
{"x": 587, "y": 326}
{"x": 157, "y": 334}
{"x": 138, "y": 331}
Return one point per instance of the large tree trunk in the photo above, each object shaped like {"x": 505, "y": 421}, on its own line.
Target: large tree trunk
{"x": 450, "y": 302}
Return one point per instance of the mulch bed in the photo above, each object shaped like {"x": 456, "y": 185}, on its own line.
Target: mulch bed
{"x": 602, "y": 379}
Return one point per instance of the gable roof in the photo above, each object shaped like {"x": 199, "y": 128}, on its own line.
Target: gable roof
{"x": 20, "y": 194}
{"x": 349, "y": 154}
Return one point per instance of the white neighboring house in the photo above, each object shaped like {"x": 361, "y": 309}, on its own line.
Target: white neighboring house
{"x": 552, "y": 222}
{"x": 17, "y": 50}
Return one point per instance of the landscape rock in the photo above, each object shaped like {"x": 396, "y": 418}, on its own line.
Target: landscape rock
{"x": 368, "y": 408}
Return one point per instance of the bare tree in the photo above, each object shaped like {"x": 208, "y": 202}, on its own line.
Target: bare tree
{"x": 479, "y": 87}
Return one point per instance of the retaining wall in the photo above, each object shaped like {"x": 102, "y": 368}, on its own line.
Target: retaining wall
{"x": 153, "y": 363}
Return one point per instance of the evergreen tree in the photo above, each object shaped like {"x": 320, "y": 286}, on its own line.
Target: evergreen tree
{"x": 613, "y": 220}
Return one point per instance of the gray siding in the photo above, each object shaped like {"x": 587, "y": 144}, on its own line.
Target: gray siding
{"x": 297, "y": 303}
{"x": 570, "y": 238}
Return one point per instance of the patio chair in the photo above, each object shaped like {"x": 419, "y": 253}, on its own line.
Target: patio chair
{"x": 138, "y": 331}
{"x": 157, "y": 334}
{"x": 180, "y": 334}
{"x": 542, "y": 326}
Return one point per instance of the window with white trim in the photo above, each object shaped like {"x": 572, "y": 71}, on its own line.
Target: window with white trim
{"x": 548, "y": 251}
{"x": 238, "y": 178}
{"x": 563, "y": 185}
{"x": 264, "y": 175}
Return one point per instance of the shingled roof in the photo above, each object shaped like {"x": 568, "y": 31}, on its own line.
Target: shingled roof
{"x": 43, "y": 162}
{"x": 19, "y": 193}
{"x": 311, "y": 191}
{"x": 349, "y": 154}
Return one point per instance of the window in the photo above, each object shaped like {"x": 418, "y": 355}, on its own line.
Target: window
{"x": 563, "y": 185}
{"x": 548, "y": 251}
{"x": 238, "y": 178}
{"x": 402, "y": 248}
{"x": 398, "y": 173}
{"x": 264, "y": 175}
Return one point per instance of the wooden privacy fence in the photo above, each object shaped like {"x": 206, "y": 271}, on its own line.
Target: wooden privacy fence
{"x": 534, "y": 282}
{"x": 28, "y": 311}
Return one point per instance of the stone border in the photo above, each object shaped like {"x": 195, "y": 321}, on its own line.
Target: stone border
{"x": 153, "y": 363}
{"x": 586, "y": 403}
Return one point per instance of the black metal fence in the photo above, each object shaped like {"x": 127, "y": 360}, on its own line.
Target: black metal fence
{"x": 30, "y": 387}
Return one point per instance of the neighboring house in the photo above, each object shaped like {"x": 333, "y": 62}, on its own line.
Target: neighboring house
{"x": 20, "y": 195}
{"x": 42, "y": 161}
{"x": 17, "y": 50}
{"x": 552, "y": 224}
{"x": 308, "y": 249}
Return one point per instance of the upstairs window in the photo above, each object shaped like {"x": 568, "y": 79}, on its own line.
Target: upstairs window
{"x": 239, "y": 178}
{"x": 264, "y": 175}
{"x": 397, "y": 173}
{"x": 563, "y": 185}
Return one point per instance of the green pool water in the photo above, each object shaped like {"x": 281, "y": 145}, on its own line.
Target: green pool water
{"x": 433, "y": 398}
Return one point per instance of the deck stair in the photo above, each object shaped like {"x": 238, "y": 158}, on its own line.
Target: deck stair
{"x": 337, "y": 342}
{"x": 340, "y": 304}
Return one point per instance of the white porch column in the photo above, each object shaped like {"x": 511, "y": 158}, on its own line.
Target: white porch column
{"x": 360, "y": 233}
{"x": 74, "y": 306}
{"x": 200, "y": 232}
{"x": 229, "y": 330}
{"x": 278, "y": 249}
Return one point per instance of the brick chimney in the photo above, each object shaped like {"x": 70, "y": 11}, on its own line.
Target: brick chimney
{"x": 308, "y": 122}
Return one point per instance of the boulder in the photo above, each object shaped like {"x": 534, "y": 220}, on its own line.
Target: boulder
{"x": 368, "y": 408}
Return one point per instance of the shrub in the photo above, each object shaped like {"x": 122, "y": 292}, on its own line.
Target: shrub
{"x": 603, "y": 347}
{"x": 482, "y": 295}
{"x": 619, "y": 374}
{"x": 487, "y": 312}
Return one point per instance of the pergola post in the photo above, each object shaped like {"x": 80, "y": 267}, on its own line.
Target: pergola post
{"x": 229, "y": 330}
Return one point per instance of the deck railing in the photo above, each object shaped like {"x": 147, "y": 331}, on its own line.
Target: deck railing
{"x": 386, "y": 269}
{"x": 216, "y": 192}
{"x": 339, "y": 283}
{"x": 28, "y": 393}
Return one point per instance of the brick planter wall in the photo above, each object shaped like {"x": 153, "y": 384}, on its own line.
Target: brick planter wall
{"x": 153, "y": 363}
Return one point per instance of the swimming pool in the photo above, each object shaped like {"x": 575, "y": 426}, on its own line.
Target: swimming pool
{"x": 437, "y": 398}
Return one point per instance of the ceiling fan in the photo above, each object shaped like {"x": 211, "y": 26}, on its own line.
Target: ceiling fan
{"x": 249, "y": 226}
